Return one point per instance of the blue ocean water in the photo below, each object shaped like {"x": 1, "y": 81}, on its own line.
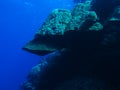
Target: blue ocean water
{"x": 19, "y": 20}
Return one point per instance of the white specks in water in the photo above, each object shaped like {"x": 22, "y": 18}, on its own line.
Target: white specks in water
{"x": 28, "y": 4}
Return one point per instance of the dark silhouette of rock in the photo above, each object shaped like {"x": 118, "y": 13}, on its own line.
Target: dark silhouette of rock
{"x": 104, "y": 8}
{"x": 86, "y": 58}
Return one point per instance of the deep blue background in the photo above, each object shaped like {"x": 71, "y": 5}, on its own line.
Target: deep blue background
{"x": 19, "y": 20}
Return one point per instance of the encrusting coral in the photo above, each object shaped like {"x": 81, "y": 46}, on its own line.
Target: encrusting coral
{"x": 80, "y": 48}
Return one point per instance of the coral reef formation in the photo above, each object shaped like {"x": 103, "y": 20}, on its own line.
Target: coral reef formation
{"x": 82, "y": 47}
{"x": 52, "y": 35}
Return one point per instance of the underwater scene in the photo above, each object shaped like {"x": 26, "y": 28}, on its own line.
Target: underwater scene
{"x": 60, "y": 45}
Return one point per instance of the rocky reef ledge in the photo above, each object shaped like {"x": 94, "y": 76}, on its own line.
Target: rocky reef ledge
{"x": 80, "y": 49}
